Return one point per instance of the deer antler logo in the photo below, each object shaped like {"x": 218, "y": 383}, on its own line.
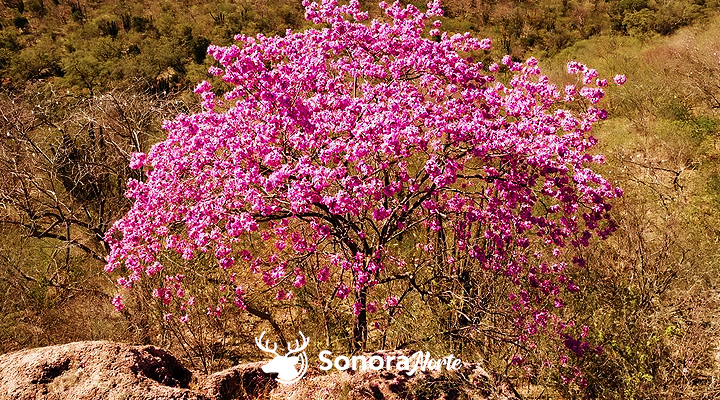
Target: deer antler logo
{"x": 284, "y": 366}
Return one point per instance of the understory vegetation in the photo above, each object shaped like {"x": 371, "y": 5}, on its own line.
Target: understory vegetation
{"x": 84, "y": 84}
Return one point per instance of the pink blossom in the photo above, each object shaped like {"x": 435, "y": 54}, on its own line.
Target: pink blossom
{"x": 342, "y": 291}
{"x": 117, "y": 301}
{"x": 299, "y": 281}
{"x": 372, "y": 307}
{"x": 137, "y": 160}
{"x": 323, "y": 274}
{"x": 324, "y": 152}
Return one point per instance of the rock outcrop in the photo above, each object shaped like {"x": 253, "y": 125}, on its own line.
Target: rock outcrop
{"x": 471, "y": 381}
{"x": 115, "y": 371}
{"x": 94, "y": 370}
{"x": 106, "y": 370}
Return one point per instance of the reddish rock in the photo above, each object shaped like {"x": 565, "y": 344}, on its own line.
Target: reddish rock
{"x": 245, "y": 381}
{"x": 471, "y": 381}
{"x": 94, "y": 370}
{"x": 115, "y": 371}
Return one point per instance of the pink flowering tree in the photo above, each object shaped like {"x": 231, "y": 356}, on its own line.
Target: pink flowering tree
{"x": 364, "y": 153}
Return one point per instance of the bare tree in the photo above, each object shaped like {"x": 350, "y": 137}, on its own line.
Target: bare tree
{"x": 63, "y": 170}
{"x": 64, "y": 161}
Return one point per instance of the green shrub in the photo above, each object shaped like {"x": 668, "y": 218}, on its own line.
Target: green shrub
{"x": 109, "y": 28}
{"x": 20, "y": 22}
{"x": 198, "y": 49}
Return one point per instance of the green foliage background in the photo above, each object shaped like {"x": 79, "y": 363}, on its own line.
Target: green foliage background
{"x": 650, "y": 292}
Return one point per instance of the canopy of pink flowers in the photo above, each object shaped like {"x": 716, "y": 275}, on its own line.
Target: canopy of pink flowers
{"x": 329, "y": 144}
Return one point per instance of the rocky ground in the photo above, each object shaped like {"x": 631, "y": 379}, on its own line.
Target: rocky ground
{"x": 114, "y": 371}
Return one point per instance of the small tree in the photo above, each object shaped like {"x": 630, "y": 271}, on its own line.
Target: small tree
{"x": 63, "y": 167}
{"x": 363, "y": 154}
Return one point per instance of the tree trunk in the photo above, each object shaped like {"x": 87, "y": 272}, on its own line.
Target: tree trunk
{"x": 360, "y": 329}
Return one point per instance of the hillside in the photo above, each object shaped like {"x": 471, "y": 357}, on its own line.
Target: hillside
{"x": 85, "y": 84}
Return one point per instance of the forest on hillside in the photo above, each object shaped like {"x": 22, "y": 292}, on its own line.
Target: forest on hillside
{"x": 85, "y": 84}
